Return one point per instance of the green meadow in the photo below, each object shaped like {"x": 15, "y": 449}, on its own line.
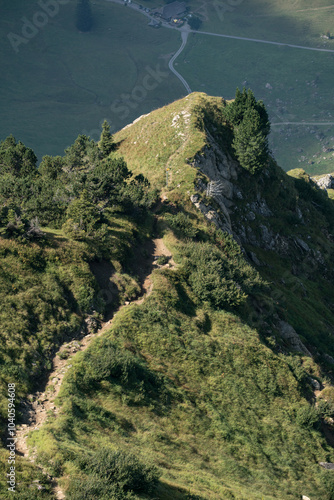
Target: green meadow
{"x": 295, "y": 86}
{"x": 62, "y": 82}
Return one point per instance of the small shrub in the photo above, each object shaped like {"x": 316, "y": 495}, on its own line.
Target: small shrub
{"x": 124, "y": 469}
{"x": 127, "y": 286}
{"x": 63, "y": 354}
{"x": 307, "y": 416}
{"x": 219, "y": 277}
{"x": 121, "y": 367}
{"x": 162, "y": 260}
{"x": 113, "y": 475}
{"x": 181, "y": 225}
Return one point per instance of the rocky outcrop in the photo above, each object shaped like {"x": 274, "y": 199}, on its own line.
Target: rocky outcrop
{"x": 252, "y": 222}
{"x": 325, "y": 182}
{"x": 315, "y": 384}
{"x": 289, "y": 334}
{"x": 216, "y": 164}
{"x": 222, "y": 172}
{"x": 327, "y": 465}
{"x": 92, "y": 324}
{"x": 221, "y": 221}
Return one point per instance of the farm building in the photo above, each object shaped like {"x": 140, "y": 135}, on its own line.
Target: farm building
{"x": 171, "y": 10}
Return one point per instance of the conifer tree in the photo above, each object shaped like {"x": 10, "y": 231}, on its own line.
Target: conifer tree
{"x": 106, "y": 143}
{"x": 249, "y": 121}
{"x": 250, "y": 142}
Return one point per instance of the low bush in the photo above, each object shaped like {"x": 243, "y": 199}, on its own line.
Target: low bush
{"x": 181, "y": 224}
{"x": 113, "y": 475}
{"x": 128, "y": 288}
{"x": 221, "y": 277}
{"x": 107, "y": 362}
{"x": 162, "y": 260}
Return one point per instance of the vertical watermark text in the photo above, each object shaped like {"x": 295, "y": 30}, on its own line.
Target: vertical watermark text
{"x": 11, "y": 431}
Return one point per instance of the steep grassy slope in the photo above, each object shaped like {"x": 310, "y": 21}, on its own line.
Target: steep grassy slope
{"x": 219, "y": 385}
{"x": 199, "y": 141}
{"x": 195, "y": 392}
{"x": 168, "y": 138}
{"x": 47, "y": 291}
{"x": 202, "y": 380}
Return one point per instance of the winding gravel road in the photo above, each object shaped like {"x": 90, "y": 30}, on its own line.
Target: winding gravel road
{"x": 185, "y": 33}
{"x": 184, "y": 36}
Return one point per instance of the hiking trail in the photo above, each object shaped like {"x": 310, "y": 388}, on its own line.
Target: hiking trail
{"x": 37, "y": 406}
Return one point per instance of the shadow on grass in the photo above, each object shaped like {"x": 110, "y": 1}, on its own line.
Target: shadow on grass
{"x": 165, "y": 491}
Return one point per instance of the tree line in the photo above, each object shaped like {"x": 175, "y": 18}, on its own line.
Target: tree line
{"x": 77, "y": 192}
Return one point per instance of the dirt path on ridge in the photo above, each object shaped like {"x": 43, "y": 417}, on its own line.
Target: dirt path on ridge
{"x": 39, "y": 405}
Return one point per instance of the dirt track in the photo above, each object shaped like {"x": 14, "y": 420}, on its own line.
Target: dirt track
{"x": 38, "y": 405}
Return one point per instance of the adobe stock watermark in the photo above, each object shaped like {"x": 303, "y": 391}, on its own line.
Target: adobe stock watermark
{"x": 11, "y": 431}
{"x": 30, "y": 28}
{"x": 126, "y": 103}
{"x": 222, "y": 8}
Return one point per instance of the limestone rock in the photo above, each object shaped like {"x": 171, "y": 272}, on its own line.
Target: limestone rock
{"x": 92, "y": 324}
{"x": 327, "y": 465}
{"x": 325, "y": 182}
{"x": 254, "y": 258}
{"x": 329, "y": 359}
{"x": 301, "y": 244}
{"x": 260, "y": 207}
{"x": 315, "y": 384}
{"x": 289, "y": 334}
{"x": 222, "y": 222}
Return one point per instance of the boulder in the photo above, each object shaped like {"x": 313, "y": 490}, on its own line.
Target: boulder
{"x": 301, "y": 244}
{"x": 315, "y": 384}
{"x": 289, "y": 334}
{"x": 327, "y": 465}
{"x": 325, "y": 182}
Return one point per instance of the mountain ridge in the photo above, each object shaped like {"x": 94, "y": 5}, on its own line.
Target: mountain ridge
{"x": 220, "y": 383}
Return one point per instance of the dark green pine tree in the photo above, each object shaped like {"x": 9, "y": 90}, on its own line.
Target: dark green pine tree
{"x": 106, "y": 144}
{"x": 245, "y": 100}
{"x": 250, "y": 142}
{"x": 84, "y": 17}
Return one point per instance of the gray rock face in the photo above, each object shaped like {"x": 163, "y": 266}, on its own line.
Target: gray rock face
{"x": 267, "y": 236}
{"x": 251, "y": 216}
{"x": 289, "y": 334}
{"x": 221, "y": 171}
{"x": 329, "y": 359}
{"x": 92, "y": 325}
{"x": 327, "y": 465}
{"x": 254, "y": 258}
{"x": 222, "y": 221}
{"x": 214, "y": 163}
{"x": 222, "y": 186}
{"x": 315, "y": 384}
{"x": 260, "y": 207}
{"x": 325, "y": 182}
{"x": 301, "y": 244}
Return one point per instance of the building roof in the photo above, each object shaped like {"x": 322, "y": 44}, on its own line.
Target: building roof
{"x": 173, "y": 9}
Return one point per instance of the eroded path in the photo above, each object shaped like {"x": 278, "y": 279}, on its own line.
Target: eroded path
{"x": 38, "y": 405}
